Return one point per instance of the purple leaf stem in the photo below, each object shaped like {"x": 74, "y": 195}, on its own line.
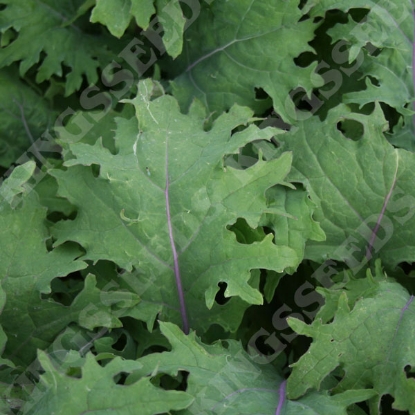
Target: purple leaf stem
{"x": 408, "y": 303}
{"x": 281, "y": 398}
{"x": 411, "y": 298}
{"x": 183, "y": 312}
{"x": 382, "y": 213}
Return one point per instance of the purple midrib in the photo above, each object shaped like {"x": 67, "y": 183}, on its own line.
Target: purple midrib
{"x": 183, "y": 313}
{"x": 281, "y": 399}
{"x": 382, "y": 213}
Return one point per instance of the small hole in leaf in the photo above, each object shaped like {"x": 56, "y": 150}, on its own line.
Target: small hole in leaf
{"x": 304, "y": 59}
{"x": 298, "y": 97}
{"x": 245, "y": 234}
{"x": 351, "y": 129}
{"x": 269, "y": 231}
{"x": 120, "y": 378}
{"x": 410, "y": 372}
{"x": 168, "y": 382}
{"x": 260, "y": 94}
{"x": 121, "y": 271}
{"x": 386, "y": 406}
{"x": 372, "y": 49}
{"x": 302, "y": 4}
{"x": 8, "y": 37}
{"x": 120, "y": 343}
{"x": 374, "y": 80}
{"x": 299, "y": 186}
{"x": 66, "y": 69}
{"x": 407, "y": 267}
{"x": 306, "y": 103}
{"x": 391, "y": 115}
{"x": 65, "y": 289}
{"x": 225, "y": 344}
{"x": 74, "y": 372}
{"x": 55, "y": 217}
{"x": 220, "y": 296}
{"x": 95, "y": 168}
{"x": 275, "y": 120}
{"x": 359, "y": 15}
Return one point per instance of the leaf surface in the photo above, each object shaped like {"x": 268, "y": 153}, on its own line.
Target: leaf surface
{"x": 233, "y": 48}
{"x": 117, "y": 14}
{"x": 24, "y": 116}
{"x": 29, "y": 320}
{"x": 167, "y": 196}
{"x": 41, "y": 29}
{"x": 222, "y": 378}
{"x": 225, "y": 380}
{"x": 97, "y": 392}
{"x": 364, "y": 189}
{"x": 392, "y": 66}
{"x": 372, "y": 343}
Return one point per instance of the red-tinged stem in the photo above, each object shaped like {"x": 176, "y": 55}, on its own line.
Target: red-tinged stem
{"x": 382, "y": 213}
{"x": 281, "y": 398}
{"x": 411, "y": 298}
{"x": 377, "y": 226}
{"x": 183, "y": 312}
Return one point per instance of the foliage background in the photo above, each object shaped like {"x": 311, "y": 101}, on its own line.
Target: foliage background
{"x": 182, "y": 176}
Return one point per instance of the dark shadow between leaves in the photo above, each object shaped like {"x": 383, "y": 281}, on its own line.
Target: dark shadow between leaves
{"x": 220, "y": 296}
{"x": 167, "y": 382}
{"x": 351, "y": 129}
{"x": 65, "y": 289}
{"x": 245, "y": 234}
{"x": 386, "y": 406}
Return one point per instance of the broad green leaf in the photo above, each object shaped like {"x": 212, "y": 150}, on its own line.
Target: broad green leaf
{"x": 24, "y": 116}
{"x": 363, "y": 187}
{"x": 34, "y": 323}
{"x": 355, "y": 287}
{"x": 373, "y": 344}
{"x": 392, "y": 67}
{"x": 222, "y": 377}
{"x": 167, "y": 193}
{"x": 117, "y": 15}
{"x": 40, "y": 28}
{"x": 97, "y": 392}
{"x": 16, "y": 184}
{"x": 26, "y": 270}
{"x": 225, "y": 380}
{"x": 383, "y": 58}
{"x": 322, "y": 403}
{"x": 24, "y": 253}
{"x": 170, "y": 15}
{"x": 300, "y": 227}
{"x": 234, "y": 47}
